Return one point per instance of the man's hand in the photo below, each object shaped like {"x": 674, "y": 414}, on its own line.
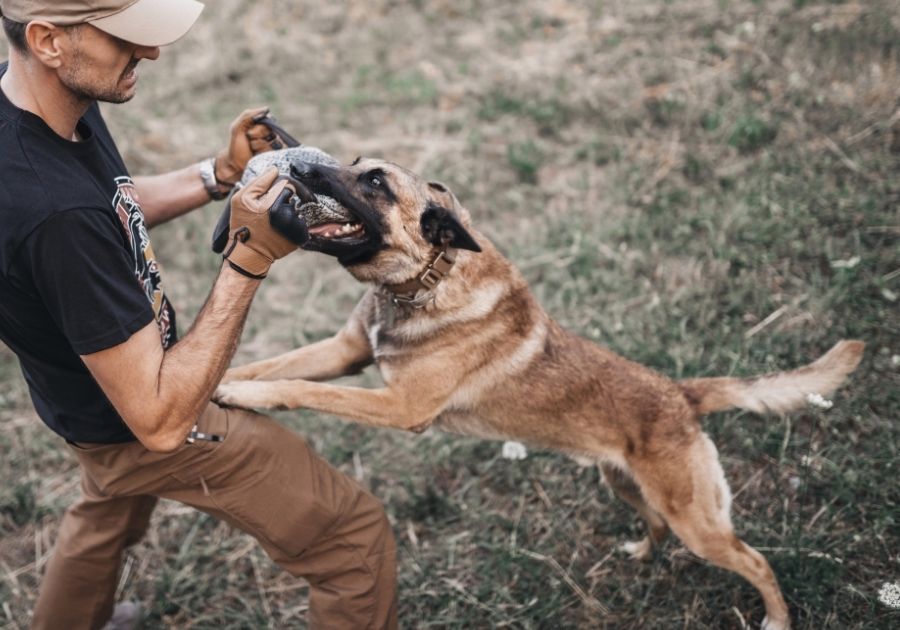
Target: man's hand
{"x": 249, "y": 137}
{"x": 252, "y": 243}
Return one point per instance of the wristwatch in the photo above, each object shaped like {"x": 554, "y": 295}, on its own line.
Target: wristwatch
{"x": 208, "y": 177}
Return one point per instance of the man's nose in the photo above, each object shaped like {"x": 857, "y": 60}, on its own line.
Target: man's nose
{"x": 147, "y": 52}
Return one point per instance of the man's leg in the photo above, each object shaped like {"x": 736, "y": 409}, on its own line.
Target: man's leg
{"x": 310, "y": 518}
{"x": 350, "y": 565}
{"x": 338, "y": 538}
{"x": 79, "y": 583}
{"x": 265, "y": 479}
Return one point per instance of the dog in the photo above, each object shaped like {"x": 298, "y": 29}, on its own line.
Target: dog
{"x": 462, "y": 345}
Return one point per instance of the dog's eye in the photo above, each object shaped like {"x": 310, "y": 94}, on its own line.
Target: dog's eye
{"x": 375, "y": 182}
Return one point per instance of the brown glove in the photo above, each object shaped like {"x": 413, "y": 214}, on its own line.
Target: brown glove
{"x": 249, "y": 137}
{"x": 252, "y": 243}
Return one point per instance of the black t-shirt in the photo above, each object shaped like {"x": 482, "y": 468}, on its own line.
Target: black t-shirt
{"x": 77, "y": 273}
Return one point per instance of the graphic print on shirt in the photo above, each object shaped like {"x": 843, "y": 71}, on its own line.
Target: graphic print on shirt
{"x": 146, "y": 269}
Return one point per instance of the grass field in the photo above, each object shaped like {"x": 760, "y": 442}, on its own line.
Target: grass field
{"x": 709, "y": 187}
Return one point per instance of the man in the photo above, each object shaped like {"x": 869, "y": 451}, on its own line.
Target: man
{"x": 82, "y": 306}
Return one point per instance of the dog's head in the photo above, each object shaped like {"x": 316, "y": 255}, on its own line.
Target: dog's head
{"x": 386, "y": 223}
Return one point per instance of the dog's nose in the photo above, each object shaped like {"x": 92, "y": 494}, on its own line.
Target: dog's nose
{"x": 302, "y": 169}
{"x": 306, "y": 170}
{"x": 310, "y": 171}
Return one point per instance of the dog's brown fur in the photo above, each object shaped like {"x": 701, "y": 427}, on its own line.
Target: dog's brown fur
{"x": 482, "y": 358}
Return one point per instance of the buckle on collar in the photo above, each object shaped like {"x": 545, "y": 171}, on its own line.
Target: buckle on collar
{"x": 431, "y": 278}
{"x": 434, "y": 273}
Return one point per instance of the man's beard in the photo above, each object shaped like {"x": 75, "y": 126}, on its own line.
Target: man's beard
{"x": 85, "y": 90}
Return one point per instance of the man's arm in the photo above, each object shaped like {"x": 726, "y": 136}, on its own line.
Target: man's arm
{"x": 165, "y": 391}
{"x": 159, "y": 393}
{"x": 164, "y": 197}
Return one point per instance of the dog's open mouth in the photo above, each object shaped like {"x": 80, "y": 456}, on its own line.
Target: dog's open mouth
{"x": 328, "y": 220}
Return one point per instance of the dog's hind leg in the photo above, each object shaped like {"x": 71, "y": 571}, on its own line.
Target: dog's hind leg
{"x": 626, "y": 489}
{"x": 688, "y": 487}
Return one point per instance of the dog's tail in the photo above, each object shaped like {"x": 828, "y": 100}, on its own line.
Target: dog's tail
{"x": 779, "y": 392}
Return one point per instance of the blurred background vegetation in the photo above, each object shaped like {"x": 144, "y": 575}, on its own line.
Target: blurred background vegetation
{"x": 707, "y": 186}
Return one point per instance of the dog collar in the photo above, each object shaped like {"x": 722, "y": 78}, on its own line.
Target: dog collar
{"x": 437, "y": 270}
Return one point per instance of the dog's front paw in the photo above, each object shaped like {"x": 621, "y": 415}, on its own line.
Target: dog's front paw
{"x": 230, "y": 376}
{"x": 243, "y": 394}
{"x": 241, "y": 373}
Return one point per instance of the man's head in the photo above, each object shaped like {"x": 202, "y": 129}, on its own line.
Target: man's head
{"x": 94, "y": 45}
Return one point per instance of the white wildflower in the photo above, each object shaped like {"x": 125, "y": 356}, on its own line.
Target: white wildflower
{"x": 514, "y": 450}
{"x": 813, "y": 462}
{"x": 850, "y": 263}
{"x": 816, "y": 400}
{"x": 889, "y": 595}
{"x": 826, "y": 556}
{"x": 895, "y": 360}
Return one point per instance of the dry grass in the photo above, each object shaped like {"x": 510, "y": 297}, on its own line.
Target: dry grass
{"x": 680, "y": 181}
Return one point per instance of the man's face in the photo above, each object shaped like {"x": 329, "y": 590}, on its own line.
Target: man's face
{"x": 101, "y": 67}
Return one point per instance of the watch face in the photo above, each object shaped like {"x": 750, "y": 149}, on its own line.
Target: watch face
{"x": 208, "y": 176}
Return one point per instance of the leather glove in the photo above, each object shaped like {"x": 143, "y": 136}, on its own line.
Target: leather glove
{"x": 249, "y": 136}
{"x": 283, "y": 215}
{"x": 253, "y": 245}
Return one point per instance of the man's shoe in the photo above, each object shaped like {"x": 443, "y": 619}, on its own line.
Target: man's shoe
{"x": 126, "y": 616}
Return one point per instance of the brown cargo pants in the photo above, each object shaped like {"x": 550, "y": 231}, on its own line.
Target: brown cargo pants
{"x": 310, "y": 519}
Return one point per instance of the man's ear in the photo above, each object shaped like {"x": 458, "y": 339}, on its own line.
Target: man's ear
{"x": 43, "y": 40}
{"x": 441, "y": 227}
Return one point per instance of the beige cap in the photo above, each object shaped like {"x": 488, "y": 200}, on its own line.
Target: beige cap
{"x": 141, "y": 22}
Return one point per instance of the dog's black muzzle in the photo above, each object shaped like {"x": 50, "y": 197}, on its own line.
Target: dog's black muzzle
{"x": 324, "y": 180}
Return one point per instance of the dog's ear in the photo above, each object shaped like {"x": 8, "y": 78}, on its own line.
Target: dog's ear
{"x": 442, "y": 196}
{"x": 440, "y": 227}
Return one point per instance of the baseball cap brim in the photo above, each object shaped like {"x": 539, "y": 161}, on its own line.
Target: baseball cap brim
{"x": 151, "y": 22}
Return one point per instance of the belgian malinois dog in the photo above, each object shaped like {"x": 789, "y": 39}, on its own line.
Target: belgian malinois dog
{"x": 462, "y": 344}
